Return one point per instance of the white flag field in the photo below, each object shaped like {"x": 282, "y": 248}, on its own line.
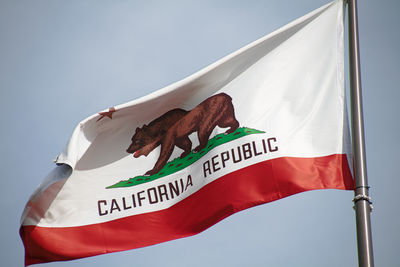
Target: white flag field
{"x": 265, "y": 122}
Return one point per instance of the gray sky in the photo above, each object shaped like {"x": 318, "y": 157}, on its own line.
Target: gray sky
{"x": 61, "y": 61}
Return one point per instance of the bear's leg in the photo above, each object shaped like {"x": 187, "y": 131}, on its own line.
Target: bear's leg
{"x": 228, "y": 120}
{"x": 204, "y": 135}
{"x": 232, "y": 123}
{"x": 167, "y": 147}
{"x": 185, "y": 144}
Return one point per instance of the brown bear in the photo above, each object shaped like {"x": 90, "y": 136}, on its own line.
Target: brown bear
{"x": 174, "y": 127}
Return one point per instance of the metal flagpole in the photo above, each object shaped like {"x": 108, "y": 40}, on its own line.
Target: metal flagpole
{"x": 362, "y": 201}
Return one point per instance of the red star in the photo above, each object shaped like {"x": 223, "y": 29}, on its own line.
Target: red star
{"x": 108, "y": 113}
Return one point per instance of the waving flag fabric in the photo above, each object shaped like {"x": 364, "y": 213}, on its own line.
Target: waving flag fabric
{"x": 263, "y": 123}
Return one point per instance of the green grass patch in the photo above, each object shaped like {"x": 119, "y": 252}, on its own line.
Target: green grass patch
{"x": 178, "y": 164}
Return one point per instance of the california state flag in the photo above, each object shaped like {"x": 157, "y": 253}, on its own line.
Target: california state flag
{"x": 263, "y": 123}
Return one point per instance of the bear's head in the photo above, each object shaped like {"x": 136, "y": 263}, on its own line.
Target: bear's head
{"x": 142, "y": 142}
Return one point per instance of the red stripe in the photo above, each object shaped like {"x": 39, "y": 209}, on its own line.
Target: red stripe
{"x": 254, "y": 185}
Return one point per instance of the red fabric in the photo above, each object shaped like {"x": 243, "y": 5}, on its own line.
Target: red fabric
{"x": 257, "y": 184}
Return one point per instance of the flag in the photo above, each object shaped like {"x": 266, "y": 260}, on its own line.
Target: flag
{"x": 266, "y": 122}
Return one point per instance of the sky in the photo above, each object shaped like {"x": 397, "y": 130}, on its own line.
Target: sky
{"x": 62, "y": 61}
